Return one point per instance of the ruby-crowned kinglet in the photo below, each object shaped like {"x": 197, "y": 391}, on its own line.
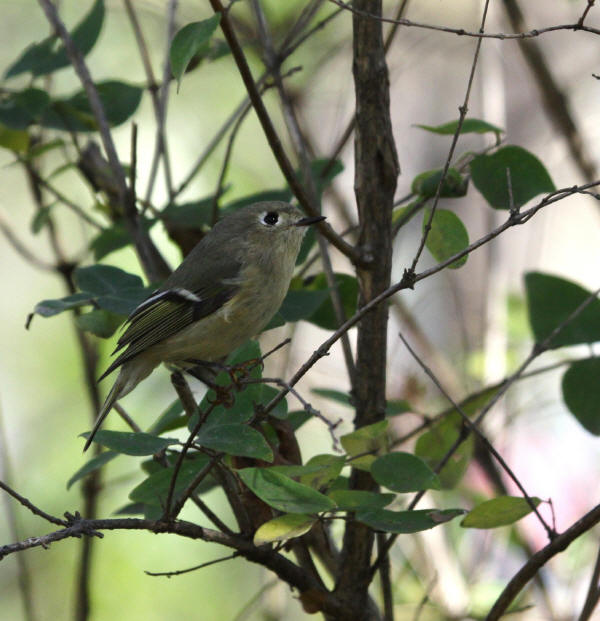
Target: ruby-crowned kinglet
{"x": 224, "y": 292}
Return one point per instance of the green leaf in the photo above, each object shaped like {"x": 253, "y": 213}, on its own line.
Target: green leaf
{"x": 21, "y": 109}
{"x": 334, "y": 395}
{"x": 119, "y": 100}
{"x": 551, "y": 300}
{"x": 329, "y": 468}
{"x": 369, "y": 439}
{"x": 406, "y": 521}
{"x": 433, "y": 445}
{"x": 42, "y": 59}
{"x": 44, "y": 147}
{"x": 131, "y": 508}
{"x": 581, "y": 393}
{"x": 324, "y": 315}
{"x": 124, "y": 301}
{"x": 469, "y": 126}
{"x": 301, "y": 304}
{"x": 297, "y": 418}
{"x": 283, "y": 527}
{"x": 153, "y": 491}
{"x": 357, "y": 500}
{"x": 49, "y": 308}
{"x": 41, "y": 218}
{"x": 426, "y": 183}
{"x": 242, "y": 405}
{"x": 236, "y": 439}
{"x": 403, "y": 472}
{"x": 15, "y": 140}
{"x": 102, "y": 323}
{"x": 172, "y": 418}
{"x": 114, "y": 238}
{"x": 281, "y": 409}
{"x": 104, "y": 279}
{"x": 91, "y": 466}
{"x": 191, "y": 215}
{"x": 284, "y": 494}
{"x": 394, "y": 407}
{"x": 500, "y": 511}
{"x": 130, "y": 443}
{"x": 447, "y": 236}
{"x": 266, "y": 195}
{"x": 318, "y": 168}
{"x": 528, "y": 177}
{"x": 191, "y": 40}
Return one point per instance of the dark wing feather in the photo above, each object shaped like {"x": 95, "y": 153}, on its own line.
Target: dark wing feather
{"x": 170, "y": 309}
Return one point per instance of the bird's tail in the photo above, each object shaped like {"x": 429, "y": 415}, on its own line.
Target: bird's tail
{"x": 130, "y": 375}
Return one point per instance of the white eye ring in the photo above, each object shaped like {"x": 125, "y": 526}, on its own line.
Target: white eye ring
{"x": 270, "y": 218}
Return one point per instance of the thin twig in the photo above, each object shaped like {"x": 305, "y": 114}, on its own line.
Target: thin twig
{"x": 153, "y": 263}
{"x": 461, "y": 32}
{"x": 536, "y": 350}
{"x": 159, "y": 101}
{"x": 480, "y": 435}
{"x": 180, "y": 572}
{"x": 462, "y": 114}
{"x": 539, "y": 559}
{"x": 308, "y": 408}
{"x": 67, "y": 202}
{"x": 408, "y": 281}
{"x": 274, "y": 66}
{"x": 29, "y": 505}
{"x": 273, "y": 138}
{"x": 23, "y": 569}
{"x": 593, "y": 594}
{"x": 21, "y": 249}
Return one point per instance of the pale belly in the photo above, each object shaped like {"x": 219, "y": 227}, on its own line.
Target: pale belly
{"x": 217, "y": 335}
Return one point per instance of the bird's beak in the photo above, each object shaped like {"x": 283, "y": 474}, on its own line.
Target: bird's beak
{"x": 309, "y": 221}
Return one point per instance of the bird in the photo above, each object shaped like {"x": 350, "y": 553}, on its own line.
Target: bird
{"x": 224, "y": 292}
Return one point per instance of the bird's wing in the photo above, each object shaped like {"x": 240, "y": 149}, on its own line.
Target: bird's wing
{"x": 166, "y": 312}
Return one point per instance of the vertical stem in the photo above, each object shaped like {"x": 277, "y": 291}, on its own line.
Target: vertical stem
{"x": 376, "y": 172}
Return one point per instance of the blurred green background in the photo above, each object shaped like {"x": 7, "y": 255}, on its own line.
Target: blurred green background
{"x": 42, "y": 395}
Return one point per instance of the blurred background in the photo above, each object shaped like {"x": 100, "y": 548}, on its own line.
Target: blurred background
{"x": 470, "y": 325}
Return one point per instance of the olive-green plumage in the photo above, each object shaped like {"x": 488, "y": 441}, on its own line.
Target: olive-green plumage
{"x": 224, "y": 292}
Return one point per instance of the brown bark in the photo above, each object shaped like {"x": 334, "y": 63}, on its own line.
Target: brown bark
{"x": 376, "y": 172}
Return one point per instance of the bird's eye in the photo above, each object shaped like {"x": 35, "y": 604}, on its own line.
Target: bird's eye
{"x": 271, "y": 218}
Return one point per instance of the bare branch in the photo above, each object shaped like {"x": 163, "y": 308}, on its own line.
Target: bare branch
{"x": 461, "y": 32}
{"x": 29, "y": 505}
{"x": 539, "y": 559}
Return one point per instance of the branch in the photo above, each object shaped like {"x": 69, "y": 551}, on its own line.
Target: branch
{"x": 29, "y": 505}
{"x": 376, "y": 172}
{"x": 273, "y": 63}
{"x": 461, "y": 32}
{"x": 539, "y": 559}
{"x": 154, "y": 265}
{"x": 463, "y": 113}
{"x": 593, "y": 594}
{"x": 158, "y": 102}
{"x": 408, "y": 281}
{"x": 536, "y": 350}
{"x": 273, "y": 139}
{"x": 285, "y": 569}
{"x": 480, "y": 435}
{"x": 556, "y": 103}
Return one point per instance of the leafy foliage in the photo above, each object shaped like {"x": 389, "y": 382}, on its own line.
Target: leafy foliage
{"x": 510, "y": 177}
{"x": 500, "y": 511}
